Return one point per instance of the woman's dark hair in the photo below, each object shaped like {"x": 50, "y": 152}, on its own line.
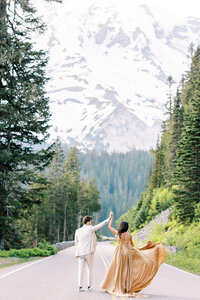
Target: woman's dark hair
{"x": 123, "y": 227}
{"x": 87, "y": 219}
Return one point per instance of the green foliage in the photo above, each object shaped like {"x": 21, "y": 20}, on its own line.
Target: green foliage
{"x": 47, "y": 246}
{"x": 24, "y": 116}
{"x": 187, "y": 171}
{"x": 44, "y": 249}
{"x": 157, "y": 177}
{"x": 197, "y": 212}
{"x": 186, "y": 238}
{"x": 157, "y": 233}
{"x": 185, "y": 260}
{"x": 161, "y": 200}
{"x": 63, "y": 200}
{"x": 148, "y": 206}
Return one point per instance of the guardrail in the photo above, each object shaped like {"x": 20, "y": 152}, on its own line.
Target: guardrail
{"x": 63, "y": 245}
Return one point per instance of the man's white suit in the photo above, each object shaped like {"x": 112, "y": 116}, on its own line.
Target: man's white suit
{"x": 85, "y": 243}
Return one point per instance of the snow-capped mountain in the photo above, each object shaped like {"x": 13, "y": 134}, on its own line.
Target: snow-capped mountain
{"x": 108, "y": 68}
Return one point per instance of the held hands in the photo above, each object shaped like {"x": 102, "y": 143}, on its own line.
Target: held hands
{"x": 111, "y": 216}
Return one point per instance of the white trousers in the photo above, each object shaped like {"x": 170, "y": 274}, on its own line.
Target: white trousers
{"x": 87, "y": 260}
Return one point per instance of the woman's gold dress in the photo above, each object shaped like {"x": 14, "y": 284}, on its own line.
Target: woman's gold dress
{"x": 132, "y": 269}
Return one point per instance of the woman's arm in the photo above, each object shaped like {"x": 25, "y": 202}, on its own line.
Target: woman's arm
{"x": 110, "y": 225}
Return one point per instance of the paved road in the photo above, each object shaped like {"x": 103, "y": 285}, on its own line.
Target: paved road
{"x": 55, "y": 278}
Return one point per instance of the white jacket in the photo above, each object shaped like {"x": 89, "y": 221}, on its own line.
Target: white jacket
{"x": 85, "y": 239}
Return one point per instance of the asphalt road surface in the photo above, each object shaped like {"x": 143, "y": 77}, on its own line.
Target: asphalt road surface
{"x": 55, "y": 278}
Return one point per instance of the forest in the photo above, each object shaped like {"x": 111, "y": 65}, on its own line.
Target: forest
{"x": 120, "y": 178}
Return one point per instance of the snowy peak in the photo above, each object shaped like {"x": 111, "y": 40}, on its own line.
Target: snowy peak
{"x": 109, "y": 62}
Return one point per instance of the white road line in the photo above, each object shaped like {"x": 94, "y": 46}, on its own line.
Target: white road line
{"x": 196, "y": 276}
{"x": 24, "y": 267}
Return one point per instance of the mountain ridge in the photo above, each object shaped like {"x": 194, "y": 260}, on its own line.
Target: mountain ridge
{"x": 105, "y": 57}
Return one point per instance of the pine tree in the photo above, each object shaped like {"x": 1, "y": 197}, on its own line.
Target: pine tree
{"x": 71, "y": 177}
{"x": 169, "y": 104}
{"x": 157, "y": 178}
{"x": 88, "y": 199}
{"x": 174, "y": 136}
{"x": 55, "y": 190}
{"x": 24, "y": 113}
{"x": 187, "y": 172}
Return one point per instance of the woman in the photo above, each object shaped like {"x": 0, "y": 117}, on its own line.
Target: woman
{"x": 131, "y": 269}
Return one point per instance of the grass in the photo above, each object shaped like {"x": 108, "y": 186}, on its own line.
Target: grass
{"x": 183, "y": 261}
{"x": 9, "y": 261}
{"x": 186, "y": 237}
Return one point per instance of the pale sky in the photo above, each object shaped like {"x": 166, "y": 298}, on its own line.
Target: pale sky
{"x": 177, "y": 7}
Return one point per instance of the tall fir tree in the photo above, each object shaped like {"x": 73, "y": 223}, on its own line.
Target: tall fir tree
{"x": 24, "y": 113}
{"x": 174, "y": 137}
{"x": 187, "y": 172}
{"x": 169, "y": 103}
{"x": 54, "y": 176}
{"x": 71, "y": 175}
{"x": 157, "y": 178}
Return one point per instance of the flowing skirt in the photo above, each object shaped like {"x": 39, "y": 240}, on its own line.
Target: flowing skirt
{"x": 132, "y": 269}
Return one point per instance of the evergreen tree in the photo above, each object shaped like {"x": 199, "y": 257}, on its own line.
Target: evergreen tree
{"x": 187, "y": 171}
{"x": 169, "y": 104}
{"x": 55, "y": 171}
{"x": 88, "y": 199}
{"x": 34, "y": 228}
{"x": 71, "y": 176}
{"x": 157, "y": 178}
{"x": 24, "y": 113}
{"x": 174, "y": 137}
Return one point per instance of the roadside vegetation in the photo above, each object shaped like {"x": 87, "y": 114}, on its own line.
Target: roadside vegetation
{"x": 43, "y": 249}
{"x": 184, "y": 239}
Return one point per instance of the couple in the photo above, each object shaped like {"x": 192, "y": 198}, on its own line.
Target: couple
{"x": 131, "y": 269}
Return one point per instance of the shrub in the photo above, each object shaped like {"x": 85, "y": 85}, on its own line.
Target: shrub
{"x": 157, "y": 233}
{"x": 162, "y": 199}
{"x": 197, "y": 212}
{"x": 43, "y": 249}
{"x": 47, "y": 246}
{"x": 4, "y": 253}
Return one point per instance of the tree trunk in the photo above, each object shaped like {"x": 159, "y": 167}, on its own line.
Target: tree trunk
{"x": 50, "y": 227}
{"x": 5, "y": 211}
{"x": 58, "y": 234}
{"x": 2, "y": 242}
{"x": 64, "y": 223}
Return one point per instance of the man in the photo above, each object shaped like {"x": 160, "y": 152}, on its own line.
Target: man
{"x": 85, "y": 243}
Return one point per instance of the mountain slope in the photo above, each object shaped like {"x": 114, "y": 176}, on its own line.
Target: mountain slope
{"x": 108, "y": 69}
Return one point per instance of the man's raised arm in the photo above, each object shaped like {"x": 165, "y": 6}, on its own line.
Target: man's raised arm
{"x": 98, "y": 226}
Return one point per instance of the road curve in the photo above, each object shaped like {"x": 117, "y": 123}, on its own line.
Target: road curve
{"x": 55, "y": 278}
